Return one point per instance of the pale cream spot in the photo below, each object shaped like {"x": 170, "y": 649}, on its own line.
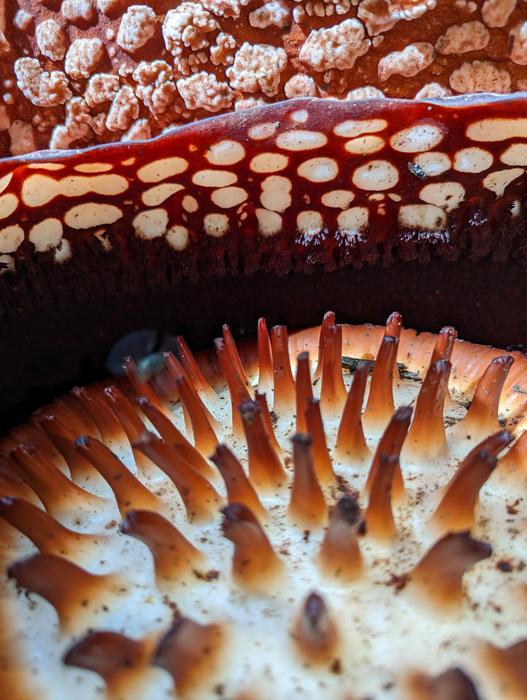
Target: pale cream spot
{"x": 160, "y": 193}
{"x": 259, "y": 132}
{"x": 269, "y": 222}
{"x": 103, "y": 239}
{"x": 424, "y": 217}
{"x": 356, "y": 127}
{"x": 8, "y": 204}
{"x": 93, "y": 167}
{"x": 394, "y": 197}
{"x": 10, "y": 238}
{"x": 269, "y": 162}
{"x": 128, "y": 161}
{"x": 5, "y": 180}
{"x": 7, "y": 264}
{"x": 447, "y": 195}
{"x": 216, "y": 225}
{"x": 376, "y": 175}
{"x": 161, "y": 169}
{"x": 516, "y": 208}
{"x": 177, "y": 237}
{"x": 309, "y": 223}
{"x": 90, "y": 214}
{"x": 46, "y": 166}
{"x": 363, "y": 145}
{"x": 319, "y": 169}
{"x": 46, "y": 234}
{"x": 301, "y": 140}
{"x": 214, "y": 178}
{"x": 338, "y": 199}
{"x": 497, "y": 129}
{"x": 354, "y": 220}
{"x": 151, "y": 223}
{"x": 433, "y": 164}
{"x": 422, "y": 137}
{"x": 190, "y": 204}
{"x": 38, "y": 190}
{"x": 276, "y": 193}
{"x": 472, "y": 160}
{"x": 515, "y": 154}
{"x": 228, "y": 197}
{"x": 300, "y": 116}
{"x": 498, "y": 181}
{"x": 225, "y": 152}
{"x": 62, "y": 251}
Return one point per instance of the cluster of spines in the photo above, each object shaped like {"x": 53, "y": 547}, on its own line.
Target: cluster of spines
{"x": 66, "y": 444}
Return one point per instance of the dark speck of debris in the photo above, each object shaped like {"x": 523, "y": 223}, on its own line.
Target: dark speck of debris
{"x": 336, "y": 667}
{"x": 398, "y": 582}
{"x": 219, "y": 689}
{"x": 512, "y": 509}
{"x": 211, "y": 575}
{"x": 504, "y": 566}
{"x": 307, "y": 535}
{"x": 173, "y": 607}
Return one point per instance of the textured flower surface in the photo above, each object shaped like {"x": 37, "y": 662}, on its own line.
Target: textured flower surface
{"x": 339, "y": 513}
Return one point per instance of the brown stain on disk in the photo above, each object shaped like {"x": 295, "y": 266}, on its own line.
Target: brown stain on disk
{"x": 201, "y": 421}
{"x": 72, "y": 591}
{"x": 284, "y": 385}
{"x": 174, "y": 555}
{"x": 508, "y": 667}
{"x": 119, "y": 660}
{"x": 427, "y": 437}
{"x": 453, "y": 684}
{"x": 340, "y": 556}
{"x": 198, "y": 495}
{"x": 482, "y": 416}
{"x": 129, "y": 492}
{"x": 333, "y": 391}
{"x": 236, "y": 380}
{"x": 456, "y": 510}
{"x": 265, "y": 358}
{"x": 351, "y": 443}
{"x": 192, "y": 654}
{"x": 46, "y": 533}
{"x": 59, "y": 494}
{"x": 239, "y": 488}
{"x": 327, "y": 322}
{"x": 314, "y": 632}
{"x": 380, "y": 405}
{"x": 307, "y": 506}
{"x": 391, "y": 444}
{"x": 303, "y": 390}
{"x": 315, "y": 428}
{"x": 439, "y": 574}
{"x": 173, "y": 437}
{"x": 255, "y": 565}
{"x": 265, "y": 467}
